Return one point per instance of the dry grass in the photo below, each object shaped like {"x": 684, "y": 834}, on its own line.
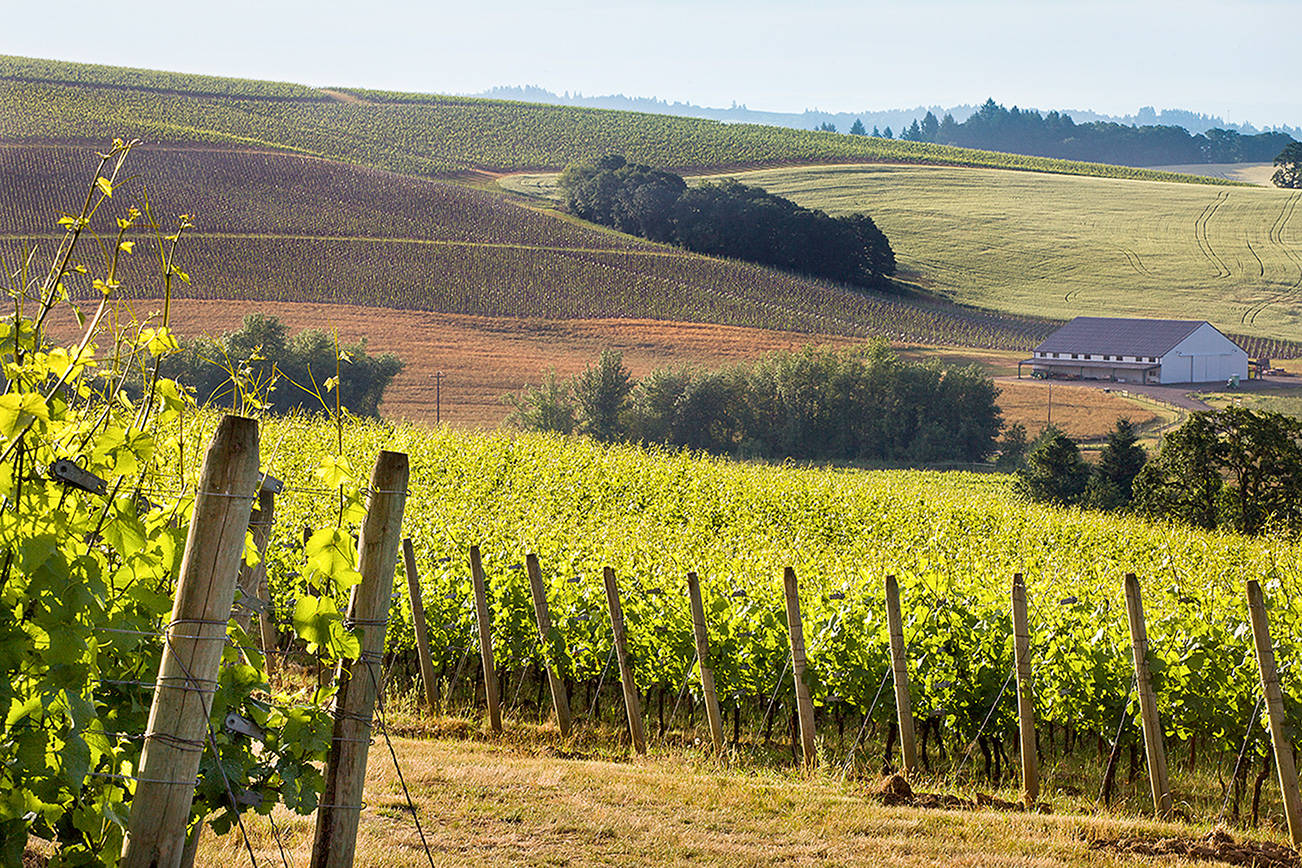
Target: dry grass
{"x": 505, "y": 803}
{"x": 1083, "y": 412}
{"x": 485, "y": 358}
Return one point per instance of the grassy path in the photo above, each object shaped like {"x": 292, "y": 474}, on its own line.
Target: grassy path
{"x": 504, "y": 803}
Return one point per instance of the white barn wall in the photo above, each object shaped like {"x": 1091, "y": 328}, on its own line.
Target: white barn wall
{"x": 1204, "y": 356}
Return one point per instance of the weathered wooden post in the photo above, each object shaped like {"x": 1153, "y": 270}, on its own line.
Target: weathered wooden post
{"x": 195, "y": 637}
{"x": 804, "y": 705}
{"x": 491, "y": 690}
{"x": 559, "y": 699}
{"x": 252, "y": 581}
{"x": 1025, "y": 694}
{"x": 1154, "y": 748}
{"x": 1275, "y": 712}
{"x": 702, "y": 636}
{"x": 631, "y": 703}
{"x": 418, "y": 621}
{"x": 900, "y": 671}
{"x": 358, "y": 681}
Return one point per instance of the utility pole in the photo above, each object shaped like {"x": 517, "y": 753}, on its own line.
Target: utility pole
{"x": 1049, "y": 423}
{"x": 438, "y": 398}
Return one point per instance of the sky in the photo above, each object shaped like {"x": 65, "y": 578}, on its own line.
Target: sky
{"x": 1221, "y": 58}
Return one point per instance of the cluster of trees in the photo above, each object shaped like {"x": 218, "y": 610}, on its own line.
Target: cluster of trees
{"x": 263, "y": 363}
{"x": 1232, "y": 469}
{"x": 1052, "y": 470}
{"x": 1288, "y": 171}
{"x": 995, "y": 128}
{"x": 850, "y": 405}
{"x": 728, "y": 219}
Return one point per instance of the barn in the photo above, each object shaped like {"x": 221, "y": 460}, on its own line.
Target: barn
{"x": 1138, "y": 351}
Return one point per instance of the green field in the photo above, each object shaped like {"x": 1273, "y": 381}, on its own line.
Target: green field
{"x": 424, "y": 134}
{"x": 1058, "y": 246}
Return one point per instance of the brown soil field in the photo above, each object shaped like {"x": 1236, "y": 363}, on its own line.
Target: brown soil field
{"x": 485, "y": 358}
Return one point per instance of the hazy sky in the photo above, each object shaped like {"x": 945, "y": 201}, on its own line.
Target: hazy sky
{"x": 1224, "y": 58}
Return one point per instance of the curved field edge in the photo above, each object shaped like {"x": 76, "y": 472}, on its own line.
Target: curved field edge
{"x": 444, "y": 135}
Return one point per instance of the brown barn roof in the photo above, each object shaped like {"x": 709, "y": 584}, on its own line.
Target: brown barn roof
{"x": 1119, "y": 337}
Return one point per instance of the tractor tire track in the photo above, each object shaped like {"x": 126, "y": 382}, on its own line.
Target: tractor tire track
{"x": 1275, "y": 237}
{"x": 1135, "y": 262}
{"x": 1204, "y": 242}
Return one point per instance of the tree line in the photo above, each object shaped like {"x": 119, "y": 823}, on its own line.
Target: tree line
{"x": 262, "y": 363}
{"x": 840, "y": 405}
{"x": 727, "y": 218}
{"x": 996, "y": 128}
{"x": 1232, "y": 469}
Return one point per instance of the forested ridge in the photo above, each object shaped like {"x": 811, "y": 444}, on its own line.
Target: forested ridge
{"x": 996, "y": 128}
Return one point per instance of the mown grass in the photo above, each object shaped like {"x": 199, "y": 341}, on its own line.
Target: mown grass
{"x": 1280, "y": 399}
{"x": 525, "y": 799}
{"x": 1059, "y": 246}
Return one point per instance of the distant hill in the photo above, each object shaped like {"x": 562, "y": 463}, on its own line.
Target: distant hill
{"x": 431, "y": 135}
{"x": 1149, "y": 138}
{"x": 898, "y": 119}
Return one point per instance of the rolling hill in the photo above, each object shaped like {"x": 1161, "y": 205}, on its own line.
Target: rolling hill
{"x": 332, "y": 196}
{"x": 287, "y": 228}
{"x": 424, "y": 134}
{"x": 1058, "y": 246}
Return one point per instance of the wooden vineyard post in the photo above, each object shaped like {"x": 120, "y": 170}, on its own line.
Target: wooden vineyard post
{"x": 631, "y": 703}
{"x": 804, "y": 705}
{"x": 358, "y": 681}
{"x": 491, "y": 691}
{"x": 900, "y": 672}
{"x": 1275, "y": 712}
{"x": 187, "y": 675}
{"x": 1154, "y": 748}
{"x": 252, "y": 581}
{"x": 702, "y": 637}
{"x": 559, "y": 700}
{"x": 418, "y": 621}
{"x": 1025, "y": 695}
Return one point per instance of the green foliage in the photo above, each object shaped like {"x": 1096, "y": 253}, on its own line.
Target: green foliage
{"x": 728, "y": 219}
{"x": 1111, "y": 485}
{"x": 262, "y": 363}
{"x": 1289, "y": 171}
{"x": 632, "y": 198}
{"x": 1053, "y": 470}
{"x": 34, "y": 69}
{"x": 953, "y": 539}
{"x": 1055, "y": 134}
{"x": 546, "y": 407}
{"x": 600, "y": 394}
{"x": 1012, "y": 447}
{"x": 822, "y": 404}
{"x": 1235, "y": 468}
{"x": 87, "y": 573}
